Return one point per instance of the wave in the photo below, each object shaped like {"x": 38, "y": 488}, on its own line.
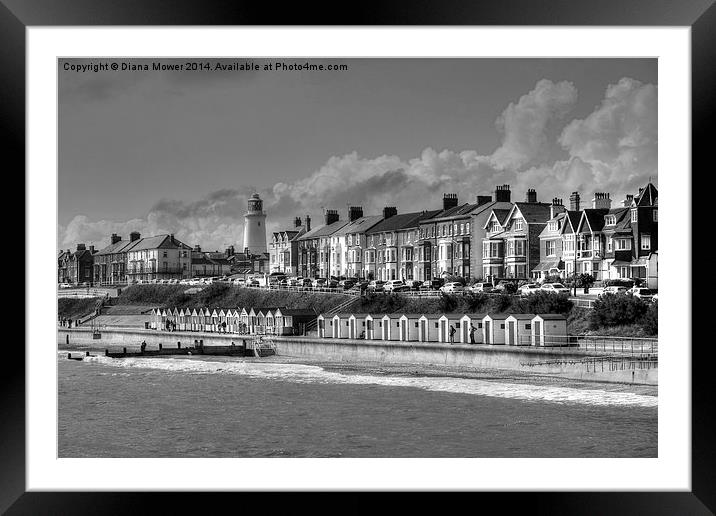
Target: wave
{"x": 301, "y": 373}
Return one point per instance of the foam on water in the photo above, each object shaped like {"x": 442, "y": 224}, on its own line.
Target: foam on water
{"x": 301, "y": 373}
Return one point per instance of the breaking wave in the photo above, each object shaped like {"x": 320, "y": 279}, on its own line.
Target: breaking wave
{"x": 301, "y": 373}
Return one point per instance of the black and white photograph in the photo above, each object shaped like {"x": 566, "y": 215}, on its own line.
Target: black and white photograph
{"x": 357, "y": 257}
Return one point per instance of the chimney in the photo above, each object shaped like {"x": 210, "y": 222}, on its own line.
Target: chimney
{"x": 297, "y": 222}
{"x": 197, "y": 248}
{"x": 115, "y": 238}
{"x": 134, "y": 236}
{"x": 246, "y": 252}
{"x": 531, "y": 196}
{"x": 627, "y": 202}
{"x": 230, "y": 251}
{"x": 171, "y": 237}
{"x": 556, "y": 207}
{"x": 355, "y": 212}
{"x": 601, "y": 200}
{"x": 81, "y": 247}
{"x": 308, "y": 223}
{"x": 91, "y": 249}
{"x": 331, "y": 217}
{"x": 574, "y": 201}
{"x": 502, "y": 193}
{"x": 483, "y": 199}
{"x": 449, "y": 201}
{"x": 389, "y": 211}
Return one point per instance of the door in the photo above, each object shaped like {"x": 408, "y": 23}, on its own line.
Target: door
{"x": 404, "y": 330}
{"x": 465, "y": 336}
{"x": 488, "y": 337}
{"x": 423, "y": 331}
{"x": 538, "y": 333}
{"x": 385, "y": 331}
{"x": 511, "y": 333}
{"x": 352, "y": 329}
{"x": 443, "y": 332}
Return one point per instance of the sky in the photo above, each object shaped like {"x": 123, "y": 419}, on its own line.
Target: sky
{"x": 180, "y": 151}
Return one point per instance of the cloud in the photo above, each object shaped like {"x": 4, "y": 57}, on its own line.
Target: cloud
{"x": 613, "y": 149}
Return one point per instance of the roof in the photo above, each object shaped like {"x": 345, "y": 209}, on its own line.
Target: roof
{"x": 117, "y": 247}
{"x": 359, "y": 225}
{"x": 475, "y": 316}
{"x": 648, "y": 197}
{"x": 402, "y": 221}
{"x": 522, "y": 316}
{"x": 158, "y": 242}
{"x": 546, "y": 265}
{"x": 498, "y": 316}
{"x": 595, "y": 218}
{"x": 552, "y": 316}
{"x": 323, "y": 230}
{"x": 456, "y": 211}
{"x": 534, "y": 212}
{"x": 573, "y": 218}
{"x": 501, "y": 215}
{"x": 412, "y": 316}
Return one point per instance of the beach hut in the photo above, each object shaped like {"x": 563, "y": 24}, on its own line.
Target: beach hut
{"x": 153, "y": 320}
{"x": 270, "y": 322}
{"x": 252, "y": 320}
{"x": 175, "y": 316}
{"x": 245, "y": 320}
{"x": 549, "y": 330}
{"x": 180, "y": 321}
{"x": 163, "y": 319}
{"x": 261, "y": 321}
{"x": 409, "y": 327}
{"x": 373, "y": 326}
{"x": 429, "y": 327}
{"x": 390, "y": 327}
{"x": 341, "y": 326}
{"x": 278, "y": 322}
{"x": 336, "y": 327}
{"x": 221, "y": 324}
{"x": 445, "y": 322}
{"x": 467, "y": 322}
{"x": 356, "y": 326}
{"x": 493, "y": 328}
{"x": 321, "y": 326}
{"x": 214, "y": 322}
{"x": 236, "y": 325}
{"x": 518, "y": 331}
{"x": 194, "y": 320}
{"x": 206, "y": 320}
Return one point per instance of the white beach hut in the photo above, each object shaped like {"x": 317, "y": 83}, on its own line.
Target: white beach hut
{"x": 445, "y": 322}
{"x": 519, "y": 329}
{"x": 410, "y": 327}
{"x": 429, "y": 327}
{"x": 467, "y": 322}
{"x": 493, "y": 328}
{"x": 549, "y": 330}
{"x": 321, "y": 326}
{"x": 373, "y": 326}
{"x": 206, "y": 322}
{"x": 245, "y": 320}
{"x": 356, "y": 326}
{"x": 390, "y": 327}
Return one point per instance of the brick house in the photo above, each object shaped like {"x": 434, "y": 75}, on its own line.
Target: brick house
{"x": 158, "y": 257}
{"x": 110, "y": 263}
{"x": 76, "y": 267}
{"x": 283, "y": 248}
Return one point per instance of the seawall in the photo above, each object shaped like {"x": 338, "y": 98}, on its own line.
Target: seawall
{"x": 562, "y": 362}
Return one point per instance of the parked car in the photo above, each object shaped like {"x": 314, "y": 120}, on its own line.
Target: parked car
{"x": 331, "y": 283}
{"x": 644, "y": 293}
{"x": 528, "y": 288}
{"x": 65, "y": 285}
{"x": 305, "y": 282}
{"x": 346, "y": 284}
{"x": 554, "y": 288}
{"x": 452, "y": 286}
{"x": 253, "y": 282}
{"x": 433, "y": 284}
{"x": 395, "y": 286}
{"x": 614, "y": 289}
{"x": 360, "y": 286}
{"x": 480, "y": 287}
{"x": 318, "y": 283}
{"x": 376, "y": 286}
{"x": 413, "y": 284}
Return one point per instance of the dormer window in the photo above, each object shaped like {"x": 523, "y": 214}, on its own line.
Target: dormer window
{"x": 610, "y": 220}
{"x": 553, "y": 226}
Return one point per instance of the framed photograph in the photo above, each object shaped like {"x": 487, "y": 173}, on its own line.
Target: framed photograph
{"x": 417, "y": 253}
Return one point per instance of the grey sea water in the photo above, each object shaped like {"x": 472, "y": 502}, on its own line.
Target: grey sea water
{"x": 232, "y": 407}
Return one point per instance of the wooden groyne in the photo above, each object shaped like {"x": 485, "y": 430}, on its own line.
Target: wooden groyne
{"x": 254, "y": 349}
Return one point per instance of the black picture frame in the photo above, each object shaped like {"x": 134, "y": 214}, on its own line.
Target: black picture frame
{"x": 700, "y": 15}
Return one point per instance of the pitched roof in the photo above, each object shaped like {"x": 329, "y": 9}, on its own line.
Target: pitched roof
{"x": 595, "y": 217}
{"x": 158, "y": 242}
{"x": 534, "y": 212}
{"x": 117, "y": 247}
{"x": 324, "y": 230}
{"x": 648, "y": 196}
{"x": 463, "y": 209}
{"x": 572, "y": 220}
{"x": 402, "y": 221}
{"x": 359, "y": 225}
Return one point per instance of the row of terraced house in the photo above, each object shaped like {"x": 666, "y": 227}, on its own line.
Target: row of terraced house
{"x": 146, "y": 259}
{"x": 491, "y": 238}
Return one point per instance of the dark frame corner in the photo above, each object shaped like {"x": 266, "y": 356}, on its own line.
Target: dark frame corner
{"x": 700, "y": 15}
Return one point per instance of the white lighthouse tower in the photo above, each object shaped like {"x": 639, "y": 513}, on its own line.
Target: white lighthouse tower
{"x": 255, "y": 226}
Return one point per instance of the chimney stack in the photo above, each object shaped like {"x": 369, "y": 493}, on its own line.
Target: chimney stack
{"x": 449, "y": 200}
{"x": 574, "y": 201}
{"x": 308, "y": 223}
{"x": 483, "y": 199}
{"x": 91, "y": 249}
{"x": 134, "y": 236}
{"x": 331, "y": 217}
{"x": 627, "y": 202}
{"x": 531, "y": 196}
{"x": 389, "y": 211}
{"x": 115, "y": 238}
{"x": 601, "y": 200}
{"x": 297, "y": 222}
{"x": 556, "y": 208}
{"x": 197, "y": 248}
{"x": 502, "y": 193}
{"x": 354, "y": 213}
{"x": 81, "y": 247}
{"x": 230, "y": 251}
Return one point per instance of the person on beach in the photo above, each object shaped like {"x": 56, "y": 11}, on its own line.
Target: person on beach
{"x": 472, "y": 333}
{"x": 143, "y": 346}
{"x": 452, "y": 334}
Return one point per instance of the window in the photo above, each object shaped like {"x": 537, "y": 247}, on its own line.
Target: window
{"x": 623, "y": 244}
{"x": 518, "y": 224}
{"x": 553, "y": 226}
{"x": 645, "y": 242}
{"x": 634, "y": 217}
{"x": 610, "y": 244}
{"x": 550, "y": 246}
{"x": 610, "y": 220}
{"x": 656, "y": 215}
{"x": 467, "y": 227}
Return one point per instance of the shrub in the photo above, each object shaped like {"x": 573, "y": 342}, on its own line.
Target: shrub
{"x": 650, "y": 321}
{"x": 613, "y": 310}
{"x": 543, "y": 303}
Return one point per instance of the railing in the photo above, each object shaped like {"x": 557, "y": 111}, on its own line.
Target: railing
{"x": 603, "y": 364}
{"x": 631, "y": 345}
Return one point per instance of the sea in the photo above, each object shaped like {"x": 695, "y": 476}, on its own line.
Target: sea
{"x": 246, "y": 407}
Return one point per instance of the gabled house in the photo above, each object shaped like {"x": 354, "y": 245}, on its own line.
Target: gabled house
{"x": 76, "y": 267}
{"x": 110, "y": 263}
{"x": 314, "y": 247}
{"x": 158, "y": 257}
{"x": 550, "y": 251}
{"x": 283, "y": 248}
{"x": 347, "y": 243}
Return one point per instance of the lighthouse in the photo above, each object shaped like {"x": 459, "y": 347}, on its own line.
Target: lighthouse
{"x": 255, "y": 226}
